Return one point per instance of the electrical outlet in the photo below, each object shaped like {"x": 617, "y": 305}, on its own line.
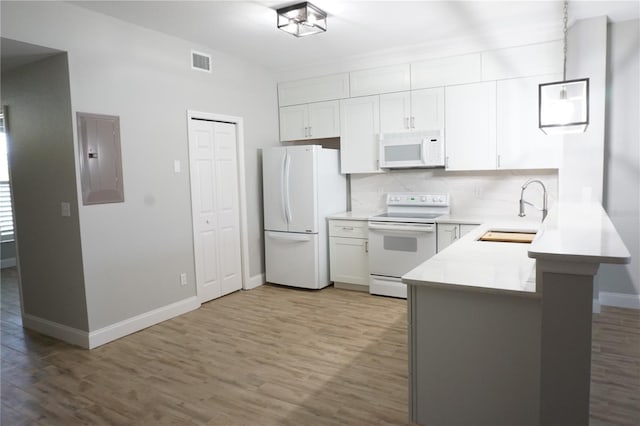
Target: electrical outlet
{"x": 183, "y": 278}
{"x": 176, "y": 166}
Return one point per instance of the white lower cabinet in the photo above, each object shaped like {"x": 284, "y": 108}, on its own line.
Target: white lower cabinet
{"x": 449, "y": 233}
{"x": 348, "y": 254}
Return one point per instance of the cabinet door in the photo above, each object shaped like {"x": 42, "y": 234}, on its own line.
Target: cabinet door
{"x": 520, "y": 143}
{"x": 393, "y": 78}
{"x": 447, "y": 235}
{"x": 466, "y": 228}
{"x": 293, "y": 122}
{"x": 427, "y": 109}
{"x": 324, "y": 120}
{"x": 395, "y": 111}
{"x": 446, "y": 71}
{"x": 470, "y": 126}
{"x": 349, "y": 261}
{"x": 359, "y": 131}
{"x": 317, "y": 89}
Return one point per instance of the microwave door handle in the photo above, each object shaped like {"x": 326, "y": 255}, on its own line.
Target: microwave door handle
{"x": 424, "y": 151}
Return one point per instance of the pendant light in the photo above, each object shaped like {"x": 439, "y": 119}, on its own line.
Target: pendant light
{"x": 563, "y": 106}
{"x": 302, "y": 19}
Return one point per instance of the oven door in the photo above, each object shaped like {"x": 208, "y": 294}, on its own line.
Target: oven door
{"x": 397, "y": 248}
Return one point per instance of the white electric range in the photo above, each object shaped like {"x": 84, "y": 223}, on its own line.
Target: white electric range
{"x": 402, "y": 238}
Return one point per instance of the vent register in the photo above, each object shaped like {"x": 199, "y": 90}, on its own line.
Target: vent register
{"x": 200, "y": 61}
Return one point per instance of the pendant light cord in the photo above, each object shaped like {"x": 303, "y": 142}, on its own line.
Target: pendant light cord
{"x": 564, "y": 31}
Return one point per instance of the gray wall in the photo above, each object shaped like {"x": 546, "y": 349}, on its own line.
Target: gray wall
{"x": 622, "y": 152}
{"x": 134, "y": 252}
{"x": 41, "y": 159}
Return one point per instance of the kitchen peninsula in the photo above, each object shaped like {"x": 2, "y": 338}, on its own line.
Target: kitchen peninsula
{"x": 500, "y": 332}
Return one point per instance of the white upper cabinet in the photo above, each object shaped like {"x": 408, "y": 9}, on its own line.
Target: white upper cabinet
{"x": 325, "y": 88}
{"x": 446, "y": 71}
{"x": 427, "y": 109}
{"x": 293, "y": 122}
{"x": 310, "y": 121}
{"x": 522, "y": 61}
{"x": 395, "y": 112}
{"x": 520, "y": 143}
{"x": 359, "y": 133}
{"x": 324, "y": 120}
{"x": 414, "y": 110}
{"x": 395, "y": 78}
{"x": 470, "y": 125}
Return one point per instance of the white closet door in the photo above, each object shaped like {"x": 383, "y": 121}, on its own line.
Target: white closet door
{"x": 228, "y": 212}
{"x": 214, "y": 198}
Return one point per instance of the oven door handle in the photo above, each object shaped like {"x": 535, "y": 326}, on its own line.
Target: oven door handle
{"x": 402, "y": 228}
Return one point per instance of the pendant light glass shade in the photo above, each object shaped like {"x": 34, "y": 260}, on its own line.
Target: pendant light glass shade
{"x": 564, "y": 106}
{"x": 302, "y": 19}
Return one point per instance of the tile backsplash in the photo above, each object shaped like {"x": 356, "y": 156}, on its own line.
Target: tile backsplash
{"x": 482, "y": 192}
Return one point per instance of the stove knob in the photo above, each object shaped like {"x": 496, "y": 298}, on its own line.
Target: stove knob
{"x": 423, "y": 198}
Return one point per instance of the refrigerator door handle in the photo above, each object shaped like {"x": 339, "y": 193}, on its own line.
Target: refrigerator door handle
{"x": 283, "y": 194}
{"x": 286, "y": 236}
{"x": 287, "y": 172}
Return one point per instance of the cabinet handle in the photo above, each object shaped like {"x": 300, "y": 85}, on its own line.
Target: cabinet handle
{"x": 347, "y": 228}
{"x": 309, "y": 130}
{"x": 413, "y": 122}
{"x": 498, "y": 161}
{"x": 366, "y": 246}
{"x": 406, "y": 122}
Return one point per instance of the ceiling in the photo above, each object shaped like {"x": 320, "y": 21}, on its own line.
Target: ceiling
{"x": 246, "y": 29}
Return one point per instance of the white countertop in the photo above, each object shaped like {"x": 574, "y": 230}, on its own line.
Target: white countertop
{"x": 484, "y": 266}
{"x": 354, "y": 215}
{"x": 571, "y": 233}
{"x": 479, "y": 218}
{"x": 579, "y": 232}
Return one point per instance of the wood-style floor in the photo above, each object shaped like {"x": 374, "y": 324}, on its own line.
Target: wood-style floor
{"x": 269, "y": 356}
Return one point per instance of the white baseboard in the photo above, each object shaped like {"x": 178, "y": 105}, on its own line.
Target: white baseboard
{"x": 8, "y": 263}
{"x": 620, "y": 300}
{"x": 131, "y": 325}
{"x": 255, "y": 281}
{"x": 59, "y": 331}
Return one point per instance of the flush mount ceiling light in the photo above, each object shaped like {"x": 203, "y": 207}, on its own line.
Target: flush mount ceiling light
{"x": 302, "y": 19}
{"x": 563, "y": 106}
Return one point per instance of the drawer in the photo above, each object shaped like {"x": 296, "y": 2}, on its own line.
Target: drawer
{"x": 348, "y": 228}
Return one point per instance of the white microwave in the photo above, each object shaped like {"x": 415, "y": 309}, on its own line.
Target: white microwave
{"x": 414, "y": 149}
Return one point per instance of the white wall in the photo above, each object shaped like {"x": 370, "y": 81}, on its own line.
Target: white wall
{"x": 471, "y": 193}
{"x": 134, "y": 251}
{"x": 622, "y": 154}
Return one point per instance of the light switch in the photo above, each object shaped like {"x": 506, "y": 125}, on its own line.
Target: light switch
{"x": 65, "y": 209}
{"x": 176, "y": 166}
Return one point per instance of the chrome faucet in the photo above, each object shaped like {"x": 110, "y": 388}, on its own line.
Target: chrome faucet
{"x": 544, "y": 198}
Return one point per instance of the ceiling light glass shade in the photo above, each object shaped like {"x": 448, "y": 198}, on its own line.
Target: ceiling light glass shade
{"x": 564, "y": 106}
{"x": 302, "y": 19}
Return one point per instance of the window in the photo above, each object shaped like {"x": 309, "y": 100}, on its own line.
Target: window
{"x": 6, "y": 210}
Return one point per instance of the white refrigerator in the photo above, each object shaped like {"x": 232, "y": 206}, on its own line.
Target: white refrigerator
{"x": 301, "y": 186}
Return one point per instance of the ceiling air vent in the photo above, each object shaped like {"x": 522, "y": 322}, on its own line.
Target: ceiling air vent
{"x": 200, "y": 61}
